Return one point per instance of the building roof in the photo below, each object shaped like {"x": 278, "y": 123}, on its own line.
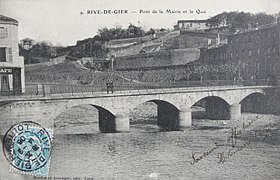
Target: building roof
{"x": 7, "y": 20}
{"x": 27, "y": 39}
{"x": 260, "y": 28}
{"x": 194, "y": 21}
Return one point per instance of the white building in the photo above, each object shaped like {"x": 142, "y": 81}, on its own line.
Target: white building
{"x": 192, "y": 25}
{"x": 27, "y": 43}
{"x": 11, "y": 64}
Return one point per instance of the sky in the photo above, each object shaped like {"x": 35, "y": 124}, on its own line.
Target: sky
{"x": 61, "y": 21}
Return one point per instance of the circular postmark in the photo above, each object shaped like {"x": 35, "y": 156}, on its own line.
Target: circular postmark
{"x": 27, "y": 146}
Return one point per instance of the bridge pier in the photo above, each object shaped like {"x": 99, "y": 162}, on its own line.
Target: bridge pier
{"x": 185, "y": 118}
{"x": 122, "y": 122}
{"x": 235, "y": 111}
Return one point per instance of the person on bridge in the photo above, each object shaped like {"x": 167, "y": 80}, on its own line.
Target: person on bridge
{"x": 110, "y": 87}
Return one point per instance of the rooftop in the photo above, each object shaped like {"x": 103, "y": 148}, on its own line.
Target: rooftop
{"x": 260, "y": 28}
{"x": 27, "y": 39}
{"x": 7, "y": 20}
{"x": 194, "y": 21}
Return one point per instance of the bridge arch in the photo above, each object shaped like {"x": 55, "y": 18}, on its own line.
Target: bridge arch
{"x": 105, "y": 119}
{"x": 165, "y": 113}
{"x": 172, "y": 101}
{"x": 255, "y": 92}
{"x": 191, "y": 100}
{"x": 255, "y": 102}
{"x": 215, "y": 107}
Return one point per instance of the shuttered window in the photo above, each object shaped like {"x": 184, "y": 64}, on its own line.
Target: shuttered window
{"x": 3, "y": 32}
{"x": 2, "y": 54}
{"x": 10, "y": 54}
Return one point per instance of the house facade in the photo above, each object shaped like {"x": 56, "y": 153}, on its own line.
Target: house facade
{"x": 192, "y": 25}
{"x": 27, "y": 43}
{"x": 256, "y": 52}
{"x": 11, "y": 64}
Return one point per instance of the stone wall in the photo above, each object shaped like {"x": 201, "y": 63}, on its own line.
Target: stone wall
{"x": 158, "y": 59}
{"x": 190, "y": 39}
{"x": 184, "y": 56}
{"x": 117, "y": 42}
{"x": 162, "y": 58}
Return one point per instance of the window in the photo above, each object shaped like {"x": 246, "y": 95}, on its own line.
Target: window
{"x": 249, "y": 38}
{"x": 258, "y": 66}
{"x": 250, "y": 53}
{"x": 2, "y": 54}
{"x": 190, "y": 24}
{"x": 258, "y": 51}
{"x": 10, "y": 54}
{"x": 268, "y": 50}
{"x": 181, "y": 25}
{"x": 274, "y": 50}
{"x": 3, "y": 32}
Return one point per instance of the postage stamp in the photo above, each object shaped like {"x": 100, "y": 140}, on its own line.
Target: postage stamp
{"x": 27, "y": 146}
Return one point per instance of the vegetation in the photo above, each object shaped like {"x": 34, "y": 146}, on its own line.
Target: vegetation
{"x": 241, "y": 20}
{"x": 40, "y": 52}
{"x": 118, "y": 32}
{"x": 186, "y": 73}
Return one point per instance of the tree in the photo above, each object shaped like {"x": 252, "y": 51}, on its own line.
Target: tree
{"x": 241, "y": 21}
{"x": 39, "y": 52}
{"x": 261, "y": 19}
{"x": 237, "y": 21}
{"x": 118, "y": 32}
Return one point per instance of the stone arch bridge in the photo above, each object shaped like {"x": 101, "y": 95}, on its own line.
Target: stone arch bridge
{"x": 174, "y": 106}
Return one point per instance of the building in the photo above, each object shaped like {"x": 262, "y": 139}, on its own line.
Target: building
{"x": 11, "y": 64}
{"x": 27, "y": 43}
{"x": 192, "y": 25}
{"x": 256, "y": 52}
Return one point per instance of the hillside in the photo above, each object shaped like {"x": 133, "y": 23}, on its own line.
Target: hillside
{"x": 66, "y": 72}
{"x": 72, "y": 73}
{"x": 135, "y": 49}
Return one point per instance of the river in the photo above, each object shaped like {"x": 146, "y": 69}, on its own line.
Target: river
{"x": 146, "y": 153}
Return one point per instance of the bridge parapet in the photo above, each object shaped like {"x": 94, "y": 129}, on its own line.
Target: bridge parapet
{"x": 47, "y": 89}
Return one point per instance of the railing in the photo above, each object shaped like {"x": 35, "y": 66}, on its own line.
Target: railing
{"x": 46, "y": 89}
